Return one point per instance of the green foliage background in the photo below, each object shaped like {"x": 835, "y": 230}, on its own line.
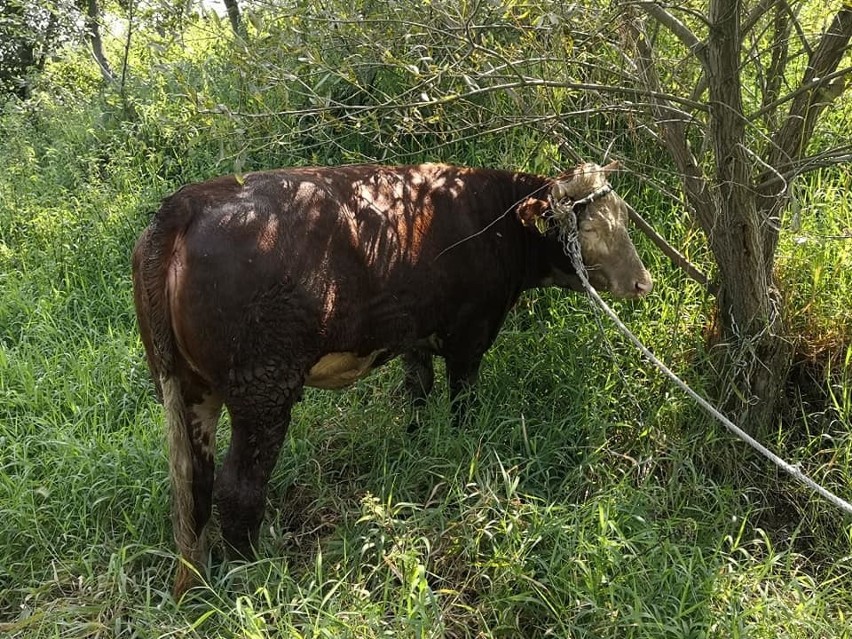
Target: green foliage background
{"x": 587, "y": 498}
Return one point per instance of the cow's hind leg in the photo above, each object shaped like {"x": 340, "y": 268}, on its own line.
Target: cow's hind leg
{"x": 259, "y": 423}
{"x": 192, "y": 411}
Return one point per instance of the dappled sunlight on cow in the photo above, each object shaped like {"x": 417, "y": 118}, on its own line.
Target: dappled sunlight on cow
{"x": 248, "y": 290}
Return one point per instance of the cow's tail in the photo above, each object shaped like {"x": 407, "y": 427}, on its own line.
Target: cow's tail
{"x": 151, "y": 261}
{"x": 181, "y": 478}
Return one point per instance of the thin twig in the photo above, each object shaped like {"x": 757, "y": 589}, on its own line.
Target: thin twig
{"x": 790, "y": 171}
{"x": 447, "y": 99}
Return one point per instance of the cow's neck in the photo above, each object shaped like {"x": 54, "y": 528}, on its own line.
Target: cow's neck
{"x": 538, "y": 269}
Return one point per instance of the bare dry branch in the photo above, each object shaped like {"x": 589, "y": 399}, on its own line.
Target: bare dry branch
{"x": 449, "y": 98}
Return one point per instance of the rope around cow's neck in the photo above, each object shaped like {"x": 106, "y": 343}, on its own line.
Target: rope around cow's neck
{"x": 564, "y": 211}
{"x": 564, "y": 214}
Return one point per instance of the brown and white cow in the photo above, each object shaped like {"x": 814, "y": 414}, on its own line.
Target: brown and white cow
{"x": 248, "y": 289}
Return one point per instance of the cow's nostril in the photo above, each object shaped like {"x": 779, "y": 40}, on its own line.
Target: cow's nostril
{"x": 644, "y": 287}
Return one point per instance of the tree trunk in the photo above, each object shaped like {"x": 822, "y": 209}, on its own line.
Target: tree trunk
{"x": 755, "y": 355}
{"x": 94, "y": 33}
{"x": 234, "y": 16}
{"x": 740, "y": 213}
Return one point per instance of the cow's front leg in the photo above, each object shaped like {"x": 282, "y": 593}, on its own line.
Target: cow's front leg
{"x": 462, "y": 373}
{"x": 419, "y": 379}
{"x": 419, "y": 375}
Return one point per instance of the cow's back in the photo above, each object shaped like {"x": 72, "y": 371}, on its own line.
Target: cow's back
{"x": 337, "y": 259}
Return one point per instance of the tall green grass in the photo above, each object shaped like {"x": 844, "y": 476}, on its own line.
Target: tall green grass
{"x": 585, "y": 498}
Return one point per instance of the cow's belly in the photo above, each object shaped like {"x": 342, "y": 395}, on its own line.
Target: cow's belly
{"x": 338, "y": 370}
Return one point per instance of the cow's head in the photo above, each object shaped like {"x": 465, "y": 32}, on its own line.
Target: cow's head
{"x": 612, "y": 263}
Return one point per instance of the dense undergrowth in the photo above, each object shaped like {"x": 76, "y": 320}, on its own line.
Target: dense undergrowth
{"x": 586, "y": 497}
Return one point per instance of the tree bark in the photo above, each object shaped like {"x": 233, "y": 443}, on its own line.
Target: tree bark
{"x": 234, "y": 17}
{"x": 756, "y": 355}
{"x": 93, "y": 32}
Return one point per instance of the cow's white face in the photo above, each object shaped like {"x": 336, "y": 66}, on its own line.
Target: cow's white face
{"x": 611, "y": 260}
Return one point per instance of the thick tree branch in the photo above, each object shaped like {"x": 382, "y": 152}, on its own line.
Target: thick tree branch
{"x": 779, "y": 48}
{"x": 677, "y": 258}
{"x": 820, "y": 86}
{"x": 678, "y": 28}
{"x": 790, "y": 142}
{"x": 93, "y": 31}
{"x": 235, "y": 18}
{"x": 672, "y": 124}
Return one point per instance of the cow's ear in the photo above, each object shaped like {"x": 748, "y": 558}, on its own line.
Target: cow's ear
{"x": 612, "y": 167}
{"x": 531, "y": 211}
{"x": 559, "y": 191}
